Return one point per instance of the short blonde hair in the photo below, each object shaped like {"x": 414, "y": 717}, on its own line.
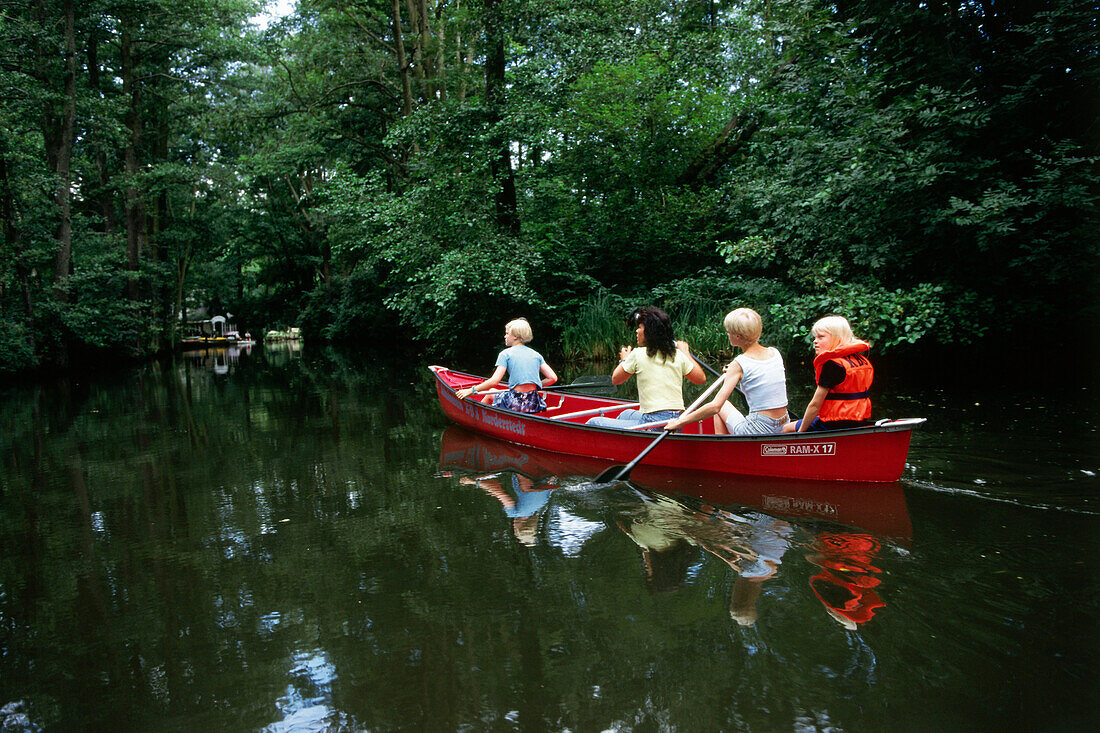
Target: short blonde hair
{"x": 837, "y": 327}
{"x": 520, "y": 329}
{"x": 745, "y": 323}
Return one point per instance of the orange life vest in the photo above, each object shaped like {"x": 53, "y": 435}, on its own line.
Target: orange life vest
{"x": 849, "y": 399}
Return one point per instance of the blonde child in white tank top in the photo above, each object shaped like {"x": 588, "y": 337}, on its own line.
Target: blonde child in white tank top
{"x": 759, "y": 374}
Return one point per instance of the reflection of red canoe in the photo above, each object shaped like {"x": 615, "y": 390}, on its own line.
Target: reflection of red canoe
{"x": 877, "y": 508}
{"x": 864, "y": 454}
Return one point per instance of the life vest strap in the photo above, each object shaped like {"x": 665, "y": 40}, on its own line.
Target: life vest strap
{"x": 848, "y": 395}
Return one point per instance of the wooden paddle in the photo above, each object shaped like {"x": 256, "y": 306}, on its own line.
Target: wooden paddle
{"x": 620, "y": 473}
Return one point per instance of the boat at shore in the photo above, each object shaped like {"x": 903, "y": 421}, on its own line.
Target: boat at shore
{"x": 213, "y": 333}
{"x": 290, "y": 334}
{"x": 870, "y": 454}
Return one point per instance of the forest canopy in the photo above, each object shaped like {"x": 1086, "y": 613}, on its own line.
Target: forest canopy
{"x": 420, "y": 171}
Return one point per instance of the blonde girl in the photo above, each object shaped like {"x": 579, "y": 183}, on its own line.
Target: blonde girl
{"x": 527, "y": 373}
{"x": 843, "y": 375}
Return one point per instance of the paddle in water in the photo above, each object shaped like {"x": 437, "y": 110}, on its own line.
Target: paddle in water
{"x": 621, "y": 473}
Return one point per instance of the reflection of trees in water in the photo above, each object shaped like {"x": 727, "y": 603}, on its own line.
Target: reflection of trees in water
{"x": 147, "y": 516}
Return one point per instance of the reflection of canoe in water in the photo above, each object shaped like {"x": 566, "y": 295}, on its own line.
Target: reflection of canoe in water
{"x": 877, "y": 508}
{"x": 875, "y": 453}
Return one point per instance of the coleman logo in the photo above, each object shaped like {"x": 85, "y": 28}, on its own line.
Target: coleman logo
{"x": 798, "y": 449}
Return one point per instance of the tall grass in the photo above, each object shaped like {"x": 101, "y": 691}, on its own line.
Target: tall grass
{"x": 698, "y": 321}
{"x": 597, "y": 329}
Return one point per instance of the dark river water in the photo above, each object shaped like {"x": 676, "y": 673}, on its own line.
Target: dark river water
{"x": 286, "y": 542}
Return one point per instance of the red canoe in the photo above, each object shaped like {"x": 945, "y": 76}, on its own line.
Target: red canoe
{"x": 875, "y": 453}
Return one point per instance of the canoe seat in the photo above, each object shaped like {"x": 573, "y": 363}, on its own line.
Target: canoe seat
{"x": 553, "y": 403}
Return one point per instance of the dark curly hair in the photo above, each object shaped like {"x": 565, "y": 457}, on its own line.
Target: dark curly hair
{"x": 659, "y": 338}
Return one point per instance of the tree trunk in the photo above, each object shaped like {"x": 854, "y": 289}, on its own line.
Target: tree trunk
{"x": 135, "y": 206}
{"x": 424, "y": 38}
{"x": 440, "y": 62}
{"x": 62, "y": 142}
{"x": 416, "y": 22}
{"x": 501, "y": 167}
{"x": 13, "y": 240}
{"x": 707, "y": 163}
{"x": 715, "y": 155}
{"x": 460, "y": 59}
{"x": 402, "y": 60}
{"x": 103, "y": 199}
{"x": 158, "y": 252}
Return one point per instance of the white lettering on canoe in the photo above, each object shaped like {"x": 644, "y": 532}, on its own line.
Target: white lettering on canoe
{"x": 798, "y": 449}
{"x": 496, "y": 420}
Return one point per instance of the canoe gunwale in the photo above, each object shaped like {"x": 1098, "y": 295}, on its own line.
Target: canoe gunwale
{"x": 882, "y": 426}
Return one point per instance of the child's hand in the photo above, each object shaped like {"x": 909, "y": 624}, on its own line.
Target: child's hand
{"x": 624, "y": 352}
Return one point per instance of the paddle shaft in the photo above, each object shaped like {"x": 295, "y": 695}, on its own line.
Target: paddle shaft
{"x": 703, "y": 364}
{"x": 553, "y": 387}
{"x": 596, "y": 411}
{"x": 619, "y": 473}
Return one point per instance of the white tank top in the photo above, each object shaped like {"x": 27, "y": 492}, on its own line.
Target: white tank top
{"x": 764, "y": 383}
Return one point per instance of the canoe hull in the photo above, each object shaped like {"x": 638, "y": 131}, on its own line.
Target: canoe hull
{"x": 874, "y": 454}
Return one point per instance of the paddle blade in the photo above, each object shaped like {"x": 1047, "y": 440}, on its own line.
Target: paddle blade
{"x": 593, "y": 379}
{"x": 610, "y": 475}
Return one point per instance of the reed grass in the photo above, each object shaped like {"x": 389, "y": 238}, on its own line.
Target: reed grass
{"x": 597, "y": 328}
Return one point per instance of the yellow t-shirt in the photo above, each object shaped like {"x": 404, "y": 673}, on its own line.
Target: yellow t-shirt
{"x": 660, "y": 380}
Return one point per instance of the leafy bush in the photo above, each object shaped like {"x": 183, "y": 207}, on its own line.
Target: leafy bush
{"x": 16, "y": 354}
{"x": 886, "y": 318}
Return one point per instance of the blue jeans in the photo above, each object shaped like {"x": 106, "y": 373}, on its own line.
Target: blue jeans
{"x": 627, "y": 419}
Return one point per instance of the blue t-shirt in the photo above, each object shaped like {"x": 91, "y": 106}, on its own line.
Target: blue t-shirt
{"x": 523, "y": 363}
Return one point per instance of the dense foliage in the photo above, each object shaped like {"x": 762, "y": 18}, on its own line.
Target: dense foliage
{"x": 418, "y": 171}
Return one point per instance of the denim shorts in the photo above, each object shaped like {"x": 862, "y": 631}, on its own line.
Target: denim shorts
{"x": 756, "y": 424}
